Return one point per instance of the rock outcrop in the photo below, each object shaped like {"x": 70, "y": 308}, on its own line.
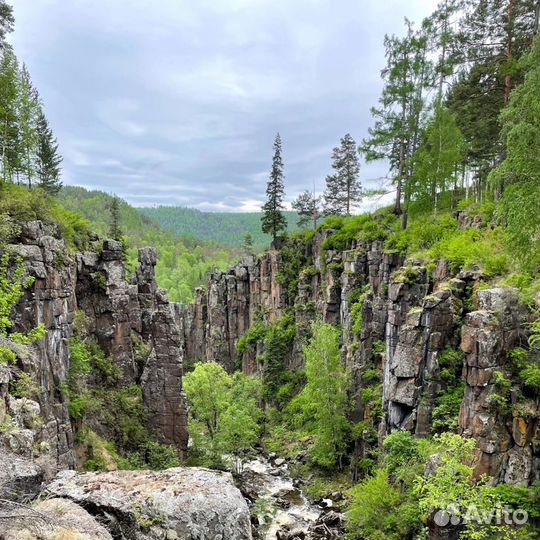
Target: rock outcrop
{"x": 508, "y": 433}
{"x": 120, "y": 313}
{"x": 181, "y": 503}
{"x": 410, "y": 318}
{"x": 54, "y": 519}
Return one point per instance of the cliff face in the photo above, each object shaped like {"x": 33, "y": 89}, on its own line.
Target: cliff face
{"x": 119, "y": 314}
{"x": 427, "y": 333}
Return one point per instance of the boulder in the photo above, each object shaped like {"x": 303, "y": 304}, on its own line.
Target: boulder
{"x": 20, "y": 478}
{"x": 179, "y": 503}
{"x": 54, "y": 519}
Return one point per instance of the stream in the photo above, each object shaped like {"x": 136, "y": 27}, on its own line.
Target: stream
{"x": 280, "y": 511}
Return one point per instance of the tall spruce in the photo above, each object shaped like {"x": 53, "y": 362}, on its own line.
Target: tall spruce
{"x": 115, "y": 228}
{"x": 273, "y": 220}
{"x": 308, "y": 206}
{"x": 48, "y": 159}
{"x": 343, "y": 190}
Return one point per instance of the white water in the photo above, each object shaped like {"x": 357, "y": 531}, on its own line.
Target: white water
{"x": 300, "y": 514}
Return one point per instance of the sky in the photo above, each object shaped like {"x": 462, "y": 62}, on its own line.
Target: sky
{"x": 177, "y": 102}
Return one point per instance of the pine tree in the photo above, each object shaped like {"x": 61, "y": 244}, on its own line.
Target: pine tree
{"x": 115, "y": 230}
{"x": 47, "y": 157}
{"x": 6, "y": 21}
{"x": 247, "y": 245}
{"x": 343, "y": 190}
{"x": 308, "y": 207}
{"x": 273, "y": 220}
{"x": 396, "y": 134}
{"x": 28, "y": 115}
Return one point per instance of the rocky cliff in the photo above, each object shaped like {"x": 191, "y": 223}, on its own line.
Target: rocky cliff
{"x": 119, "y": 313}
{"x": 429, "y": 333}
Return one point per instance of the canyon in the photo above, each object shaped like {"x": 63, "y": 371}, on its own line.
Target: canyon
{"x": 411, "y": 316}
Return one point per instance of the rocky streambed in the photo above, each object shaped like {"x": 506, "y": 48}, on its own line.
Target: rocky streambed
{"x": 279, "y": 508}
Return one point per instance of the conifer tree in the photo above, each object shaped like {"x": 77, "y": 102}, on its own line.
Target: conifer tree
{"x": 115, "y": 230}
{"x": 396, "y": 134}
{"x": 308, "y": 207}
{"x": 47, "y": 157}
{"x": 247, "y": 245}
{"x": 343, "y": 189}
{"x": 6, "y": 21}
{"x": 273, "y": 220}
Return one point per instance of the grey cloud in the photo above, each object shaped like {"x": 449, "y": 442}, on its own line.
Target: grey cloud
{"x": 178, "y": 101}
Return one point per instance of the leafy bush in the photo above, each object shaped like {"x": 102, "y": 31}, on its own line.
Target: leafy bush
{"x": 323, "y": 404}
{"x": 224, "y": 412}
{"x": 21, "y": 204}
{"x": 378, "y": 511}
{"x": 13, "y": 282}
{"x": 366, "y": 227}
{"x": 445, "y": 414}
{"x": 25, "y": 387}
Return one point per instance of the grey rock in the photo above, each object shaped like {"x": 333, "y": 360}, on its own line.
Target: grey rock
{"x": 54, "y": 519}
{"x": 194, "y": 503}
{"x": 20, "y": 478}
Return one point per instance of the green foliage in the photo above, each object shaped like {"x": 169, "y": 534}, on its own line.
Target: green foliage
{"x": 453, "y": 486}
{"x": 224, "y": 412}
{"x": 25, "y": 387}
{"x": 343, "y": 189}
{"x": 365, "y": 227}
{"x": 400, "y": 450}
{"x": 278, "y": 342}
{"x": 223, "y": 228}
{"x": 520, "y": 122}
{"x": 19, "y": 204}
{"x": 324, "y": 403}
{"x": 436, "y": 162}
{"x": 13, "y": 282}
{"x": 518, "y": 210}
{"x": 378, "y": 510}
{"x": 293, "y": 260}
{"x": 183, "y": 264}
{"x": 445, "y": 416}
{"x": 253, "y": 336}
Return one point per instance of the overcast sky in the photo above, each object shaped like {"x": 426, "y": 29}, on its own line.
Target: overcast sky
{"x": 178, "y": 101}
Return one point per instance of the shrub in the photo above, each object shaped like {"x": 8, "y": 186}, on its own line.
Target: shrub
{"x": 446, "y": 413}
{"x": 25, "y": 387}
{"x": 378, "y": 511}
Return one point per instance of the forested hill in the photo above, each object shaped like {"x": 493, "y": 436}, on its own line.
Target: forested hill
{"x": 183, "y": 263}
{"x": 221, "y": 227}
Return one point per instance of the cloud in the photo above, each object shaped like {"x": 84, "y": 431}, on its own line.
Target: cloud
{"x": 178, "y": 102}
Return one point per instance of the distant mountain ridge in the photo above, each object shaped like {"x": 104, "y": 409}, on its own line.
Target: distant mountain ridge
{"x": 221, "y": 227}
{"x": 184, "y": 261}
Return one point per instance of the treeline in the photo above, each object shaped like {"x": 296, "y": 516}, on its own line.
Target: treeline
{"x": 225, "y": 228}
{"x": 440, "y": 121}
{"x": 459, "y": 113}
{"x": 28, "y": 149}
{"x": 184, "y": 262}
